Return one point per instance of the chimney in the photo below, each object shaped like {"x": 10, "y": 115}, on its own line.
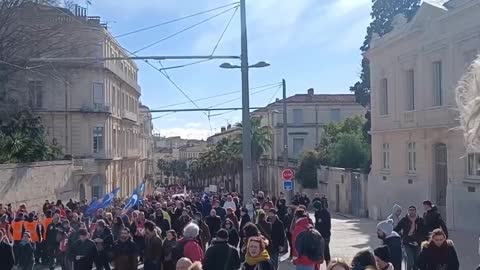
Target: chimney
{"x": 222, "y": 129}
{"x": 311, "y": 92}
{"x": 229, "y": 126}
{"x": 277, "y": 99}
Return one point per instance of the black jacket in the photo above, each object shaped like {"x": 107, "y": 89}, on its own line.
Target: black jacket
{"x": 25, "y": 254}
{"x": 163, "y": 224}
{"x": 281, "y": 208}
{"x": 221, "y": 255}
{"x": 432, "y": 257}
{"x": 125, "y": 255}
{"x": 6, "y": 256}
{"x": 433, "y": 220}
{"x": 244, "y": 220}
{"x": 419, "y": 235}
{"x": 278, "y": 235}
{"x": 394, "y": 243}
{"x": 323, "y": 222}
{"x": 214, "y": 224}
{"x": 233, "y": 237}
{"x": 221, "y": 213}
{"x": 107, "y": 238}
{"x": 52, "y": 232}
{"x": 266, "y": 265}
{"x": 88, "y": 252}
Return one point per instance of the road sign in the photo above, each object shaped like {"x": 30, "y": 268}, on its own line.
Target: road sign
{"x": 287, "y": 174}
{"x": 288, "y": 185}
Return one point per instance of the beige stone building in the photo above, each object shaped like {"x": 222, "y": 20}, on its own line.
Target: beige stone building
{"x": 92, "y": 110}
{"x": 306, "y": 116}
{"x": 417, "y": 152}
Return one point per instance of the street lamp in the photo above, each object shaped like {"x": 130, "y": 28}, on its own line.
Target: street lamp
{"x": 260, "y": 64}
{"x": 246, "y": 125}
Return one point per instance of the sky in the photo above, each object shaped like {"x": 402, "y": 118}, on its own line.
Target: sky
{"x": 309, "y": 43}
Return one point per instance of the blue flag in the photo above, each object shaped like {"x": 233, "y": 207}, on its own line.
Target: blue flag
{"x": 106, "y": 201}
{"x": 136, "y": 197}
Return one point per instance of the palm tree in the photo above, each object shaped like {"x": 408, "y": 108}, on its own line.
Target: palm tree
{"x": 261, "y": 143}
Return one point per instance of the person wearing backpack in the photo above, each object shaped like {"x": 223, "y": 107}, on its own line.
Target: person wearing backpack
{"x": 308, "y": 243}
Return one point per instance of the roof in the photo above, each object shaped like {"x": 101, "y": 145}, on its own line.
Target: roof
{"x": 316, "y": 99}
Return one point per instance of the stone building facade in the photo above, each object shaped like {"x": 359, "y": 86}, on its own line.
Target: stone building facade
{"x": 417, "y": 152}
{"x": 91, "y": 108}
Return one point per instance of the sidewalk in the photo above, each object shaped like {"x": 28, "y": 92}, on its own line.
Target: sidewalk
{"x": 466, "y": 244}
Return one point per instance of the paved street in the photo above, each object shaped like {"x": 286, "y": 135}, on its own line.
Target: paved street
{"x": 348, "y": 237}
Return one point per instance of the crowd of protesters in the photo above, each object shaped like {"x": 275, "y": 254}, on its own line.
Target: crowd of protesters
{"x": 211, "y": 232}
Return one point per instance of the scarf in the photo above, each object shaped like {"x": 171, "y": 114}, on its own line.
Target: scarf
{"x": 264, "y": 256}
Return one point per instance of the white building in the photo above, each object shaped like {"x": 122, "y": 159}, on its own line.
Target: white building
{"x": 416, "y": 152}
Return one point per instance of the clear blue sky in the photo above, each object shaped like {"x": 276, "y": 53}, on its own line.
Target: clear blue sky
{"x": 310, "y": 43}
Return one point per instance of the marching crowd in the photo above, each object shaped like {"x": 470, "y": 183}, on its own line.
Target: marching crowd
{"x": 210, "y": 232}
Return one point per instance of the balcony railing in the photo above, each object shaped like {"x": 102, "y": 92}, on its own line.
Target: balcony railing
{"x": 97, "y": 107}
{"x": 129, "y": 115}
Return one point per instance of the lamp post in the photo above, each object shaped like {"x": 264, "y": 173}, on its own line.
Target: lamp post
{"x": 246, "y": 125}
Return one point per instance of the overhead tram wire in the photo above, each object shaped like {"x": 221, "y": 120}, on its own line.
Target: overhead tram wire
{"x": 214, "y": 48}
{"x": 175, "y": 20}
{"x": 219, "y": 95}
{"x": 235, "y": 99}
{"x": 276, "y": 92}
{"x": 184, "y": 30}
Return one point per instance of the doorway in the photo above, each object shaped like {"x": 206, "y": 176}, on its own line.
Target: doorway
{"x": 441, "y": 178}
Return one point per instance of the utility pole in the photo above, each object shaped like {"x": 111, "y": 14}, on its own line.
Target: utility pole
{"x": 246, "y": 124}
{"x": 289, "y": 195}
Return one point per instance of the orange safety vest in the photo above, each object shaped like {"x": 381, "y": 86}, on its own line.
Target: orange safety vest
{"x": 31, "y": 227}
{"x": 46, "y": 222}
{"x": 17, "y": 227}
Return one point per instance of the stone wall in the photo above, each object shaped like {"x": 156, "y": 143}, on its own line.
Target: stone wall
{"x": 33, "y": 183}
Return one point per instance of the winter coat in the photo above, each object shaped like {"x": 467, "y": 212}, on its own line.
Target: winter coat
{"x": 6, "y": 255}
{"x": 234, "y": 220}
{"x": 304, "y": 200}
{"x": 278, "y": 235}
{"x": 419, "y": 235}
{"x": 282, "y": 209}
{"x": 221, "y": 213}
{"x": 52, "y": 234}
{"x": 301, "y": 225}
{"x": 214, "y": 224}
{"x": 88, "y": 250}
{"x": 323, "y": 222}
{"x": 220, "y": 255}
{"x": 433, "y": 258}
{"x": 233, "y": 237}
{"x": 125, "y": 255}
{"x": 117, "y": 230}
{"x": 25, "y": 254}
{"x": 180, "y": 223}
{"x": 204, "y": 234}
{"x": 107, "y": 237}
{"x": 396, "y": 218}
{"x": 265, "y": 229}
{"x": 153, "y": 249}
{"x": 192, "y": 250}
{"x": 394, "y": 243}
{"x": 266, "y": 265}
{"x": 163, "y": 224}
{"x": 245, "y": 219}
{"x": 171, "y": 251}
{"x": 433, "y": 220}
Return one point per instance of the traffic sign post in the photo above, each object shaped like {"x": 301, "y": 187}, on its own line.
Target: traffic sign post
{"x": 288, "y": 185}
{"x": 287, "y": 174}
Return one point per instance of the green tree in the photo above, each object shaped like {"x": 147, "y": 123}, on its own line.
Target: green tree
{"x": 261, "y": 143}
{"x": 307, "y": 171}
{"x": 350, "y": 151}
{"x": 383, "y": 12}
{"x": 22, "y": 139}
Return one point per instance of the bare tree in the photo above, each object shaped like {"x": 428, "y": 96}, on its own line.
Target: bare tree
{"x": 38, "y": 28}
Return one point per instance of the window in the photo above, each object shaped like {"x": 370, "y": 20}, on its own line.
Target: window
{"x": 98, "y": 142}
{"x": 98, "y": 94}
{"x": 473, "y": 166}
{"x": 410, "y": 86}
{"x": 412, "y": 157}
{"x": 386, "y": 156}
{"x": 437, "y": 83}
{"x": 383, "y": 97}
{"x": 335, "y": 115}
{"x": 297, "y": 116}
{"x": 35, "y": 93}
{"x": 297, "y": 147}
{"x": 114, "y": 142}
{"x": 114, "y": 96}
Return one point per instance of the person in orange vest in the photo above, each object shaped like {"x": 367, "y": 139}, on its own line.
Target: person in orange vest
{"x": 36, "y": 232}
{"x": 46, "y": 220}
{"x": 18, "y": 230}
